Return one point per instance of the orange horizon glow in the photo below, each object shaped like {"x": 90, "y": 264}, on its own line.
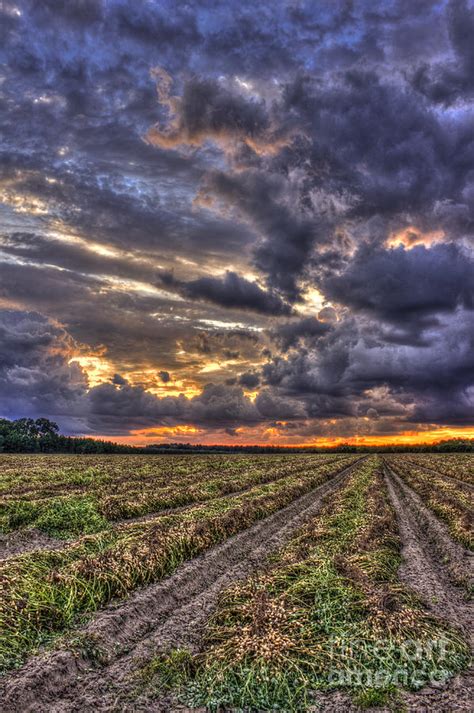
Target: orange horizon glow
{"x": 163, "y": 434}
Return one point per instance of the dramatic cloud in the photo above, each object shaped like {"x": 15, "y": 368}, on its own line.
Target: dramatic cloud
{"x": 451, "y": 79}
{"x": 293, "y": 333}
{"x": 401, "y": 285}
{"x": 36, "y": 375}
{"x": 209, "y": 110}
{"x": 237, "y": 292}
{"x": 244, "y": 222}
{"x": 249, "y": 380}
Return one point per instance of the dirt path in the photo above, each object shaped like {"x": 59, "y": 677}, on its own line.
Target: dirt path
{"x": 169, "y": 613}
{"x": 432, "y": 561}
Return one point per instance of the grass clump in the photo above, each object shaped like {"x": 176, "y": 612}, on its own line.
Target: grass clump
{"x": 64, "y": 517}
{"x": 169, "y": 671}
{"x": 69, "y": 517}
{"x": 17, "y": 514}
{"x": 375, "y": 697}
{"x": 88, "y": 646}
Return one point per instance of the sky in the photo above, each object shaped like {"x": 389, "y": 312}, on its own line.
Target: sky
{"x": 230, "y": 222}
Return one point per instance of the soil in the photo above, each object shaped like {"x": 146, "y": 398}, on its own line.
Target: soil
{"x": 21, "y": 541}
{"x": 170, "y": 613}
{"x": 431, "y": 566}
{"x": 434, "y": 565}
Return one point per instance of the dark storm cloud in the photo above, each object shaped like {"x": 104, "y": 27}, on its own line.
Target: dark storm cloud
{"x": 275, "y": 406}
{"x": 35, "y": 374}
{"x": 291, "y": 334}
{"x": 44, "y": 377}
{"x": 445, "y": 406}
{"x": 265, "y": 201}
{"x": 154, "y": 153}
{"x": 234, "y": 291}
{"x": 35, "y": 369}
{"x": 208, "y": 110}
{"x": 119, "y": 380}
{"x": 116, "y": 409}
{"x": 249, "y": 380}
{"x": 138, "y": 330}
{"x": 364, "y": 147}
{"x": 403, "y": 285}
{"x": 353, "y": 369}
{"x": 374, "y": 145}
{"x": 448, "y": 80}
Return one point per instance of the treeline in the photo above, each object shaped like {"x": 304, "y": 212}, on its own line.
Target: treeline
{"x": 455, "y": 445}
{"x": 27, "y": 435}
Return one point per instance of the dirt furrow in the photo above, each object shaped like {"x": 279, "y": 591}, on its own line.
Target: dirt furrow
{"x": 169, "y": 613}
{"x": 20, "y": 542}
{"x": 432, "y": 561}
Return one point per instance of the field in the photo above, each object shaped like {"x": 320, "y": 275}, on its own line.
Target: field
{"x": 236, "y": 582}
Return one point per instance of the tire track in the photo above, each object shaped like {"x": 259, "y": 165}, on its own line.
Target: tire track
{"x": 168, "y": 613}
{"x": 433, "y": 564}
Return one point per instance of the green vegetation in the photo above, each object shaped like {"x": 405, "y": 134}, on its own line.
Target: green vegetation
{"x": 328, "y": 614}
{"x": 65, "y": 518}
{"x": 45, "y": 592}
{"x": 169, "y": 672}
{"x": 71, "y": 495}
{"x": 27, "y": 435}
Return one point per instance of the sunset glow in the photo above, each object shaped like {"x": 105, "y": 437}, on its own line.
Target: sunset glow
{"x": 412, "y": 236}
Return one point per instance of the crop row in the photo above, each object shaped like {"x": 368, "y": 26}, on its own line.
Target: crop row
{"x": 454, "y": 465}
{"x": 126, "y": 497}
{"x": 33, "y": 475}
{"x": 45, "y": 592}
{"x": 140, "y": 502}
{"x": 328, "y": 613}
{"x": 447, "y": 499}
